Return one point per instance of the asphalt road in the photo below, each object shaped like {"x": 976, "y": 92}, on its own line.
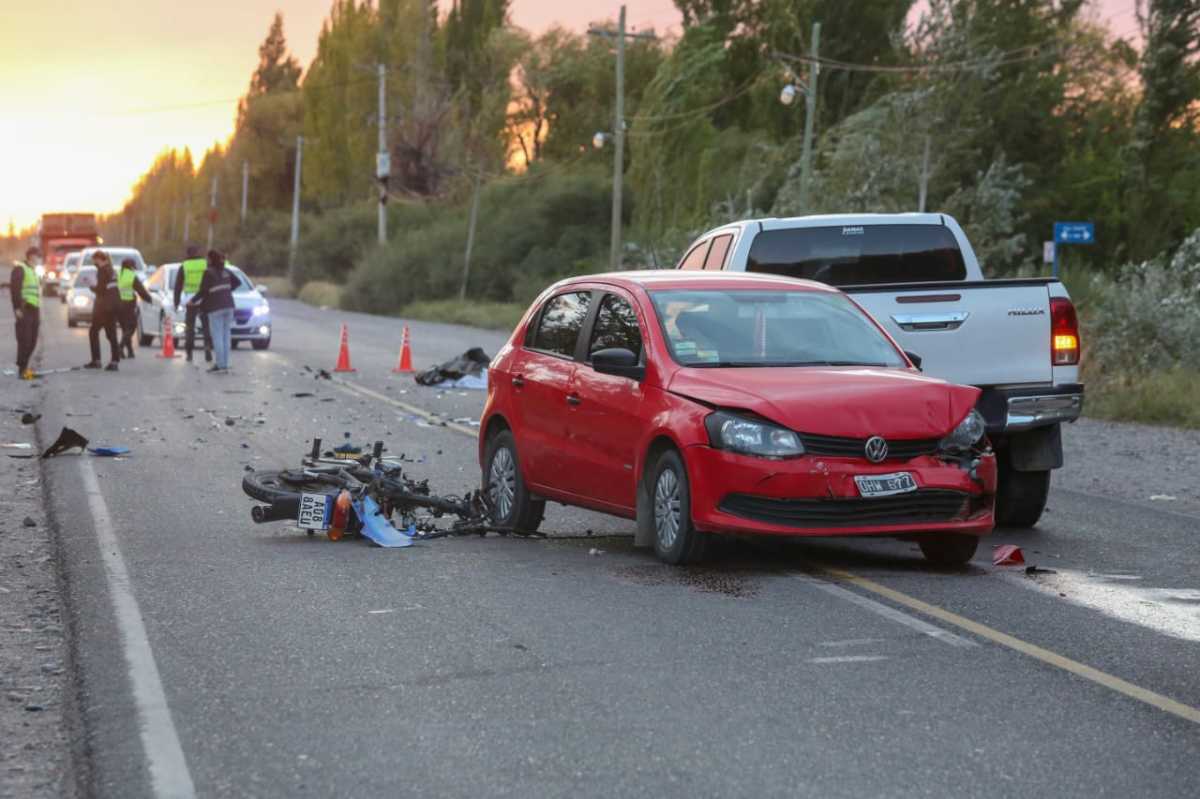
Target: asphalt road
{"x": 222, "y": 658}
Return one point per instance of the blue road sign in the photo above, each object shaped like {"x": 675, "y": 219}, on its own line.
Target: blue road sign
{"x": 1075, "y": 232}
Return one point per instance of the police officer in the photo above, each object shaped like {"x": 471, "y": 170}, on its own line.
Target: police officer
{"x": 104, "y": 312}
{"x": 27, "y": 303}
{"x": 130, "y": 287}
{"x": 187, "y": 278}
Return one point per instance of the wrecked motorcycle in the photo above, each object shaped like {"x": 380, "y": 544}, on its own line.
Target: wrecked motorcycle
{"x": 344, "y": 492}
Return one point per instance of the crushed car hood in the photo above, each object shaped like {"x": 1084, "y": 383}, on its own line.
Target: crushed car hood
{"x": 855, "y": 402}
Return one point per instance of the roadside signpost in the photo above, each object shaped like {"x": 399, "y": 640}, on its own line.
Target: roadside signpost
{"x": 1072, "y": 233}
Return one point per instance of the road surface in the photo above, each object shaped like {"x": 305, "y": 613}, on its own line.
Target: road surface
{"x": 219, "y": 658}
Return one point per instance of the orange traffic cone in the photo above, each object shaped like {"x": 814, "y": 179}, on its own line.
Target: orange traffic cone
{"x": 168, "y": 338}
{"x": 404, "y": 366}
{"x": 343, "y": 363}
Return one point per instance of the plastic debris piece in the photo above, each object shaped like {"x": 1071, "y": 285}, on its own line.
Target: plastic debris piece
{"x": 109, "y": 452}
{"x": 30, "y": 418}
{"x": 67, "y": 439}
{"x": 29, "y": 522}
{"x": 1032, "y": 570}
{"x": 595, "y": 551}
{"x": 303, "y": 394}
{"x": 17, "y": 445}
{"x": 1007, "y": 555}
{"x": 1162, "y": 498}
{"x": 378, "y": 527}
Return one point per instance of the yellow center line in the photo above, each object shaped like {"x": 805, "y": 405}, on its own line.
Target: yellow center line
{"x": 1105, "y": 679}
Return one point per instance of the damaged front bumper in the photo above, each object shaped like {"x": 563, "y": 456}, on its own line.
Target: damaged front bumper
{"x": 818, "y": 496}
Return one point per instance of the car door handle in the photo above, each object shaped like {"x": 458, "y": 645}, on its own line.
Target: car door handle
{"x": 931, "y": 321}
{"x": 573, "y": 399}
{"x": 518, "y": 381}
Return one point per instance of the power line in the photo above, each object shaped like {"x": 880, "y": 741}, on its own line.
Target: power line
{"x": 1004, "y": 59}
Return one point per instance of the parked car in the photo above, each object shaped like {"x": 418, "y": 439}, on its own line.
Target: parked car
{"x": 81, "y": 297}
{"x": 703, "y": 404}
{"x": 1017, "y": 340}
{"x": 116, "y": 254}
{"x": 251, "y": 314}
{"x": 66, "y": 274}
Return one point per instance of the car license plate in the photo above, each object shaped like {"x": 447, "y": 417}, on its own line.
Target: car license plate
{"x": 315, "y": 511}
{"x": 885, "y": 485}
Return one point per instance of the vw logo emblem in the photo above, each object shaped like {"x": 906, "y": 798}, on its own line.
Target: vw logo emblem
{"x": 876, "y": 449}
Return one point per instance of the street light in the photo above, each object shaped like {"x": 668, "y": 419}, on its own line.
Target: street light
{"x": 788, "y": 95}
{"x": 600, "y": 139}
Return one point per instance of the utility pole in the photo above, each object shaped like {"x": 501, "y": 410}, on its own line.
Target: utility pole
{"x": 187, "y": 219}
{"x": 212, "y": 212}
{"x": 156, "y": 216}
{"x": 245, "y": 188}
{"x": 924, "y": 188}
{"x": 383, "y": 159}
{"x": 810, "y": 113}
{"x": 462, "y": 290}
{"x": 618, "y": 131}
{"x": 294, "y": 243}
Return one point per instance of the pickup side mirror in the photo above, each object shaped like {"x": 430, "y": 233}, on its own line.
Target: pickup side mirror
{"x": 916, "y": 359}
{"x": 618, "y": 361}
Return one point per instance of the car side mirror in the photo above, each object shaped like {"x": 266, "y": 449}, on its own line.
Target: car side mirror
{"x": 916, "y": 359}
{"x": 261, "y": 289}
{"x": 620, "y": 362}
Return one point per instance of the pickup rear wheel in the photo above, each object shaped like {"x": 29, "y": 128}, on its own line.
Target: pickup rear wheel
{"x": 1020, "y": 496}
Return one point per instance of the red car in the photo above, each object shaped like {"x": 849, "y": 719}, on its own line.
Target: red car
{"x": 730, "y": 403}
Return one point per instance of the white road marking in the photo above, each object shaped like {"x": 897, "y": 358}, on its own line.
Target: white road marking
{"x": 1171, "y": 611}
{"x": 852, "y": 642}
{"x": 169, "y": 775}
{"x": 849, "y": 659}
{"x": 888, "y": 612}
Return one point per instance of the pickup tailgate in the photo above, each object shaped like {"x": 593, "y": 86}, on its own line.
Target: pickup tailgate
{"x": 981, "y": 333}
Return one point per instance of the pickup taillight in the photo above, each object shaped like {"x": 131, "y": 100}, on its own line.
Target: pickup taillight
{"x": 1064, "y": 333}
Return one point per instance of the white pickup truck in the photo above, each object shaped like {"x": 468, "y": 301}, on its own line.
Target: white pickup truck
{"x": 1018, "y": 340}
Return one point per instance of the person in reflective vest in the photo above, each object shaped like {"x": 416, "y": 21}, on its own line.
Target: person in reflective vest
{"x": 187, "y": 279}
{"x": 216, "y": 298}
{"x": 129, "y": 287}
{"x": 104, "y": 313}
{"x": 27, "y": 303}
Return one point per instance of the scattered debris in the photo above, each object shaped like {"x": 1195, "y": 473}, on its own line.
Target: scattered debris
{"x": 1032, "y": 570}
{"x": 67, "y": 439}
{"x": 229, "y": 421}
{"x": 17, "y": 445}
{"x": 29, "y": 522}
{"x": 1162, "y": 498}
{"x": 1007, "y": 555}
{"x": 471, "y": 363}
{"x": 109, "y": 452}
{"x": 303, "y": 394}
{"x": 30, "y": 418}
{"x": 594, "y": 551}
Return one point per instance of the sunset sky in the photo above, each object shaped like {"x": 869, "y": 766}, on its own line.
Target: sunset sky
{"x": 91, "y": 92}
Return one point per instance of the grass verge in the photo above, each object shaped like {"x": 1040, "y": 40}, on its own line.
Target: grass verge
{"x": 277, "y": 286}
{"x": 1162, "y": 397}
{"x": 489, "y": 315}
{"x": 321, "y": 294}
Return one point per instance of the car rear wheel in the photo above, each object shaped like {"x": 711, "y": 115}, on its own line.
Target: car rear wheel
{"x": 949, "y": 550}
{"x": 513, "y": 507}
{"x": 676, "y": 541}
{"x": 1020, "y": 496}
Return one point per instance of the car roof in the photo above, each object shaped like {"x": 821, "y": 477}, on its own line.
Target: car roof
{"x": 668, "y": 279}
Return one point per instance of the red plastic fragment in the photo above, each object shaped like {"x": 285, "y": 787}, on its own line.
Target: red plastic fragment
{"x": 1007, "y": 555}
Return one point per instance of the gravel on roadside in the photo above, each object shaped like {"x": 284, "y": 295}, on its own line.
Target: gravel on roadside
{"x": 1159, "y": 466}
{"x": 34, "y": 668}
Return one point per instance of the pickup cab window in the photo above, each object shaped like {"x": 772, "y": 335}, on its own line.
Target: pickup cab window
{"x": 854, "y": 255}
{"x": 716, "y": 254}
{"x": 695, "y": 258}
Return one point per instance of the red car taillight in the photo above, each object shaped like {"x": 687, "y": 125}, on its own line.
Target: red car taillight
{"x": 1064, "y": 333}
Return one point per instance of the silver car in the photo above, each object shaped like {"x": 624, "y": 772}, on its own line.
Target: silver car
{"x": 251, "y": 313}
{"x": 81, "y": 297}
{"x": 70, "y": 266}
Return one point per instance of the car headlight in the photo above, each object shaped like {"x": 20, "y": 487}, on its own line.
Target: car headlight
{"x": 81, "y": 301}
{"x": 968, "y": 433}
{"x": 751, "y": 436}
{"x": 262, "y": 310}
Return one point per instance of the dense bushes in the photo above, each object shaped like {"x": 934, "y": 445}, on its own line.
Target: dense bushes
{"x": 531, "y": 230}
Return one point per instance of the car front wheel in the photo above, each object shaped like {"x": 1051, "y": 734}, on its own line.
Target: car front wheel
{"x": 513, "y": 507}
{"x": 949, "y": 550}
{"x": 676, "y": 541}
{"x": 260, "y": 344}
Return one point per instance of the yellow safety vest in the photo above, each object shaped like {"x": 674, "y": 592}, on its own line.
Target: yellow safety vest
{"x": 125, "y": 284}
{"x": 193, "y": 273}
{"x": 31, "y": 290}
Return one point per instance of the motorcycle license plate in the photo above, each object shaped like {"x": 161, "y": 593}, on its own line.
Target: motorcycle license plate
{"x": 316, "y": 510}
{"x": 885, "y": 485}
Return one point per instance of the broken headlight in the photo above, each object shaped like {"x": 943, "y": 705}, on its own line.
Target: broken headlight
{"x": 968, "y": 433}
{"x": 751, "y": 436}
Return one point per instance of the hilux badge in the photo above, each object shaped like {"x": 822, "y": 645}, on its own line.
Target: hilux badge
{"x": 876, "y": 449}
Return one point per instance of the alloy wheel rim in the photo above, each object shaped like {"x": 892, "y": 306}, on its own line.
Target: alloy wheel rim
{"x": 667, "y": 508}
{"x": 502, "y": 483}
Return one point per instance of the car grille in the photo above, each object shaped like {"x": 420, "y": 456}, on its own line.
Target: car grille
{"x": 835, "y": 446}
{"x": 918, "y": 507}
{"x": 241, "y": 316}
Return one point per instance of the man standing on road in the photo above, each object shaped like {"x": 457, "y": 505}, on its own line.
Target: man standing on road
{"x": 27, "y": 303}
{"x": 130, "y": 287}
{"x": 104, "y": 313}
{"x": 187, "y": 278}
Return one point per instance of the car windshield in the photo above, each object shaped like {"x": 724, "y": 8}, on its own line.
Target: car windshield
{"x": 747, "y": 328}
{"x": 86, "y": 278}
{"x": 117, "y": 256}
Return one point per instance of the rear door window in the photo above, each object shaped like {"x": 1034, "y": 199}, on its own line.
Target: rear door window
{"x": 695, "y": 257}
{"x": 560, "y": 322}
{"x": 616, "y": 326}
{"x": 854, "y": 255}
{"x": 716, "y": 254}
